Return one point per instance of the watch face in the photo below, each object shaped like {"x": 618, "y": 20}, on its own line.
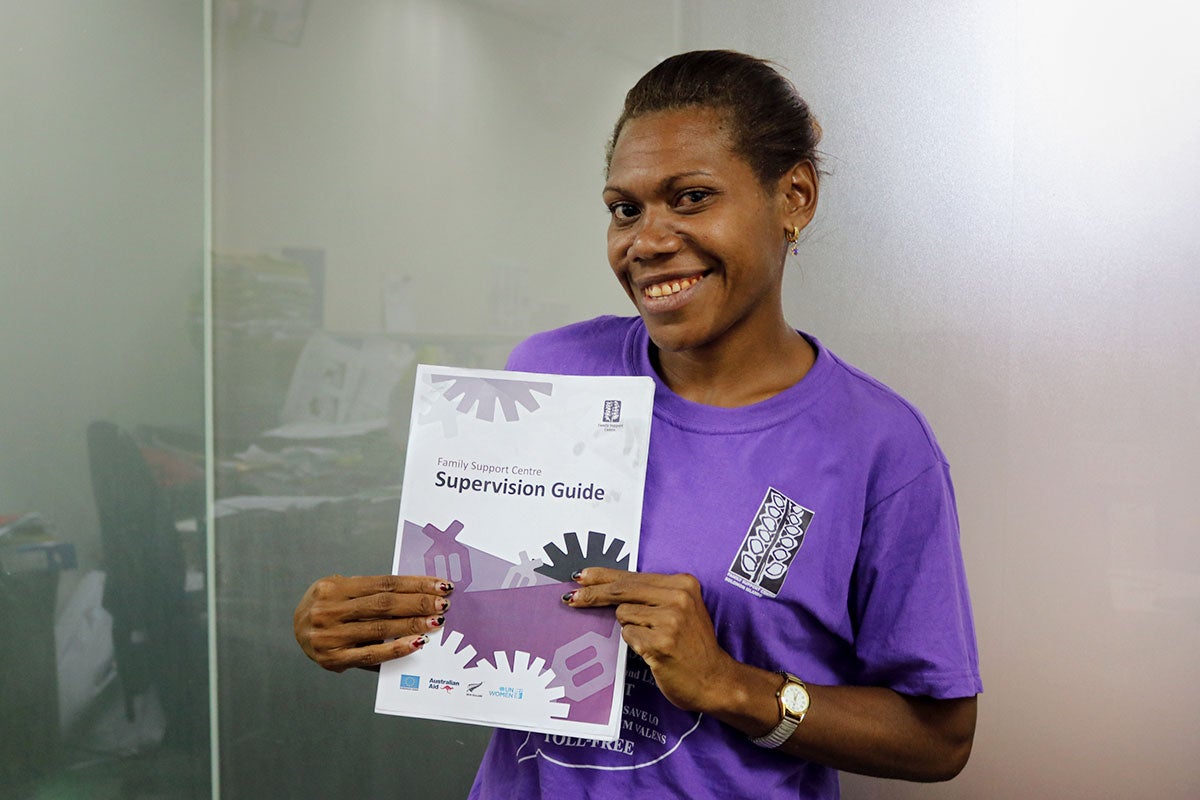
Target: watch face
{"x": 794, "y": 698}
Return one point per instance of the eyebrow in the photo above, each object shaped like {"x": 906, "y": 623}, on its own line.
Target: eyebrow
{"x": 664, "y": 184}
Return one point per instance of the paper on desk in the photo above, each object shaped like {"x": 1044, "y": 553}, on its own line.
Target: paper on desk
{"x": 316, "y": 429}
{"x": 514, "y": 481}
{"x": 30, "y": 522}
{"x": 341, "y": 387}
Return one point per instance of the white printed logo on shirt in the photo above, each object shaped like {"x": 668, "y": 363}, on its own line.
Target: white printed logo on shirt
{"x": 775, "y": 535}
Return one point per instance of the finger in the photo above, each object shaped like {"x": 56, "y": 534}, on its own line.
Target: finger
{"x": 654, "y": 617}
{"x": 382, "y": 606}
{"x": 655, "y": 590}
{"x": 371, "y": 655}
{"x": 640, "y": 640}
{"x": 368, "y": 632}
{"x": 596, "y": 575}
{"x": 651, "y": 645}
{"x": 337, "y": 587}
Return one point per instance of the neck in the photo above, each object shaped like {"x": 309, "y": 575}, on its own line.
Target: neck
{"x": 742, "y": 368}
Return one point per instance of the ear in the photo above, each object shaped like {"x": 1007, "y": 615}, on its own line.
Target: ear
{"x": 799, "y": 188}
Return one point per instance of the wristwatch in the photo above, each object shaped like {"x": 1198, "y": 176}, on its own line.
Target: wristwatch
{"x": 793, "y": 704}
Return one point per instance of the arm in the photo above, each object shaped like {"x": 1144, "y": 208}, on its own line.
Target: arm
{"x": 347, "y": 622}
{"x": 870, "y": 730}
{"x": 864, "y": 729}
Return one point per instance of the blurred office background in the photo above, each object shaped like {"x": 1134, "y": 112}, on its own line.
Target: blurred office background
{"x": 228, "y": 229}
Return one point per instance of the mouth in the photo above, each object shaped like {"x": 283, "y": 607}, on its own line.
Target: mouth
{"x": 670, "y": 287}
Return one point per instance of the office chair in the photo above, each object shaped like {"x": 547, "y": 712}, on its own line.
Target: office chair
{"x": 158, "y": 639}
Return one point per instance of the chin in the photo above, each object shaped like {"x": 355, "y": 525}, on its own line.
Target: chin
{"x": 675, "y": 338}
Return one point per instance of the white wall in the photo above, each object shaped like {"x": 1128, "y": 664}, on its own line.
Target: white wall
{"x": 1008, "y": 238}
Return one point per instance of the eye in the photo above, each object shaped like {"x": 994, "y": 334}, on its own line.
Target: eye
{"x": 622, "y": 211}
{"x": 693, "y": 197}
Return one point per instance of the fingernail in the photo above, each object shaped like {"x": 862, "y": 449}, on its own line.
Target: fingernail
{"x": 568, "y": 597}
{"x": 436, "y": 622}
{"x": 421, "y": 641}
{"x": 447, "y": 587}
{"x": 443, "y": 605}
{"x": 577, "y": 574}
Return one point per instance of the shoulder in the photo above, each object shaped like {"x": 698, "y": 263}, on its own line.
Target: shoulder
{"x": 880, "y": 405}
{"x": 593, "y": 347}
{"x": 875, "y": 415}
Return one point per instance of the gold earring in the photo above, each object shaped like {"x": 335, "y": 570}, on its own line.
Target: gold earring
{"x": 793, "y": 237}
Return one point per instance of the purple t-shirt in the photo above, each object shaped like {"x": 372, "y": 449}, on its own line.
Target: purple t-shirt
{"x": 862, "y": 583}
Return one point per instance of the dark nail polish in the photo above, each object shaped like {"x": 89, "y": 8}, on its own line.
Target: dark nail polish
{"x": 577, "y": 574}
{"x": 437, "y": 622}
{"x": 568, "y": 597}
{"x": 443, "y": 605}
{"x": 421, "y": 641}
{"x": 447, "y": 587}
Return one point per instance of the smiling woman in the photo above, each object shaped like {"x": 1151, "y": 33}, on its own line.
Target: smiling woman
{"x": 699, "y": 242}
{"x": 800, "y": 605}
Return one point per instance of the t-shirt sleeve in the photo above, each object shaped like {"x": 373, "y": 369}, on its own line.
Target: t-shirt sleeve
{"x": 593, "y": 347}
{"x": 914, "y": 631}
{"x": 523, "y": 358}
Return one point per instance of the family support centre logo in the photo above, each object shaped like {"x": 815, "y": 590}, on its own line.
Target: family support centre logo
{"x": 775, "y": 535}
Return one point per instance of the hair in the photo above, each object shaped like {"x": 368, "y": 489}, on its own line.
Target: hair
{"x": 772, "y": 128}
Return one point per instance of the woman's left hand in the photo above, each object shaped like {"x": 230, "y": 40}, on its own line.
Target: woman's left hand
{"x": 663, "y": 619}
{"x": 865, "y": 729}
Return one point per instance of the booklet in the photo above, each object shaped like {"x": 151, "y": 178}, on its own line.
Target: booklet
{"x": 513, "y": 481}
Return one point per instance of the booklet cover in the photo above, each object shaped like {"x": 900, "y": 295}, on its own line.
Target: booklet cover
{"x": 513, "y": 481}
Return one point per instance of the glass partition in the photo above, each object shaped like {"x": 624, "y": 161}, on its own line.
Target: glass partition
{"x": 394, "y": 182}
{"x": 103, "y": 621}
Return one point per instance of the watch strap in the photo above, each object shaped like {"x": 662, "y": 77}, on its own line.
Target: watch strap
{"x": 787, "y": 725}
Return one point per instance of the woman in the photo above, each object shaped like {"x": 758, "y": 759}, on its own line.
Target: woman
{"x": 855, "y": 651}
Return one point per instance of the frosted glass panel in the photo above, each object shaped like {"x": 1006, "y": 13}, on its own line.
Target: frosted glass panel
{"x": 103, "y": 663}
{"x": 394, "y": 181}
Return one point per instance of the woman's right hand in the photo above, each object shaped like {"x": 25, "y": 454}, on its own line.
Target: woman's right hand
{"x": 363, "y": 621}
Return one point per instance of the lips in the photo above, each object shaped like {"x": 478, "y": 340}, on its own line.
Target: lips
{"x": 670, "y": 287}
{"x": 668, "y": 295}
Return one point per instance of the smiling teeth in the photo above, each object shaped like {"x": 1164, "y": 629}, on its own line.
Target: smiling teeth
{"x": 670, "y": 287}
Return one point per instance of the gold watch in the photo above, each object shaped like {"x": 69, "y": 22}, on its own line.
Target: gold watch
{"x": 793, "y": 705}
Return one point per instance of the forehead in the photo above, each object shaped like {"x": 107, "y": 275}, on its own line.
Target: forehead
{"x": 666, "y": 143}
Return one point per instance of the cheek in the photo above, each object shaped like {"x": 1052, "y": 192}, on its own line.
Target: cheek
{"x": 616, "y": 263}
{"x": 617, "y": 245}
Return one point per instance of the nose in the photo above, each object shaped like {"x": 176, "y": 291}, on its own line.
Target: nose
{"x": 655, "y": 236}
